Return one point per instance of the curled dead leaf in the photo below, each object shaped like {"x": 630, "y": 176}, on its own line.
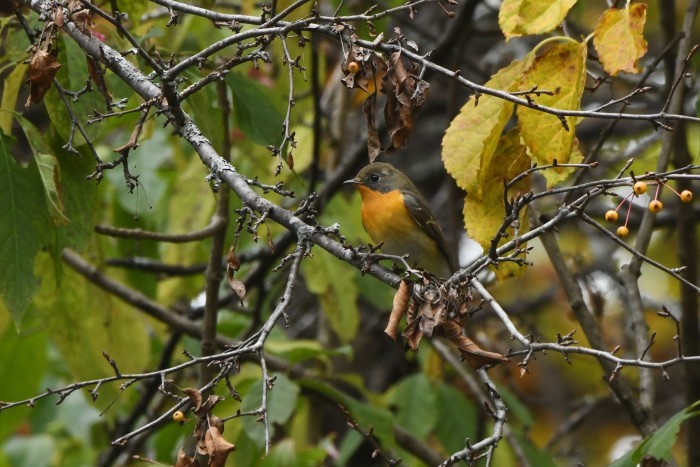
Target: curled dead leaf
{"x": 472, "y": 353}
{"x": 216, "y": 447}
{"x": 399, "y": 308}
{"x": 43, "y": 67}
{"x": 232, "y": 265}
{"x": 196, "y": 397}
{"x": 183, "y": 460}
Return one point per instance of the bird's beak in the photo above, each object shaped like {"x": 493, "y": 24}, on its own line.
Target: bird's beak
{"x": 353, "y": 181}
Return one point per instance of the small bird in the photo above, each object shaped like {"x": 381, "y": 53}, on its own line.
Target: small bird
{"x": 395, "y": 214}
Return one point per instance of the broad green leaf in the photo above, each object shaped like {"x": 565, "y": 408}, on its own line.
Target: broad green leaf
{"x": 49, "y": 170}
{"x": 31, "y": 451}
{"x": 204, "y": 108}
{"x": 457, "y": 418}
{"x": 84, "y": 321}
{"x": 516, "y": 407}
{"x": 281, "y": 401}
{"x": 24, "y": 226}
{"x": 370, "y": 416}
{"x": 25, "y": 369}
{"x": 326, "y": 277}
{"x": 561, "y": 70}
{"x": 81, "y": 200}
{"x": 415, "y": 398}
{"x": 525, "y": 17}
{"x": 190, "y": 207}
{"x": 287, "y": 454}
{"x": 257, "y": 115}
{"x": 658, "y": 445}
{"x": 73, "y": 76}
{"x": 10, "y": 90}
{"x": 619, "y": 40}
{"x": 484, "y": 209}
{"x": 471, "y": 139}
{"x": 299, "y": 350}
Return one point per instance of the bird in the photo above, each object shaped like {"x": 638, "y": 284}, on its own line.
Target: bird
{"x": 395, "y": 214}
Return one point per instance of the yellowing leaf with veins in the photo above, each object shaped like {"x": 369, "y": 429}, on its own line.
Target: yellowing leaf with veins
{"x": 484, "y": 211}
{"x": 618, "y": 38}
{"x": 560, "y": 70}
{"x": 525, "y": 17}
{"x": 471, "y": 139}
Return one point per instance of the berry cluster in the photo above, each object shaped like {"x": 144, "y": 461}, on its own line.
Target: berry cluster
{"x": 655, "y": 205}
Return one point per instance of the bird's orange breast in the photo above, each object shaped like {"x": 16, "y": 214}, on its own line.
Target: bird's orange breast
{"x": 387, "y": 220}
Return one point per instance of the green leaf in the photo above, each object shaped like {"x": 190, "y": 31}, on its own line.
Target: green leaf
{"x": 516, "y": 407}
{"x": 658, "y": 445}
{"x": 457, "y": 417}
{"x": 24, "y": 222}
{"x": 73, "y": 76}
{"x": 84, "y": 321}
{"x": 10, "y": 91}
{"x": 25, "y": 370}
{"x": 281, "y": 401}
{"x": 31, "y": 451}
{"x": 257, "y": 115}
{"x": 415, "y": 398}
{"x": 299, "y": 350}
{"x": 49, "y": 170}
{"x": 324, "y": 275}
{"x": 379, "y": 419}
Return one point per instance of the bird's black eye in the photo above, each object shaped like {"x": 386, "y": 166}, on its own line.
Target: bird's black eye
{"x": 374, "y": 178}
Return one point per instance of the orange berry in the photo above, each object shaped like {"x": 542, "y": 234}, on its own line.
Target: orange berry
{"x": 623, "y": 231}
{"x": 178, "y": 416}
{"x": 686, "y": 196}
{"x": 640, "y": 188}
{"x": 611, "y": 216}
{"x": 655, "y": 206}
{"x": 353, "y": 67}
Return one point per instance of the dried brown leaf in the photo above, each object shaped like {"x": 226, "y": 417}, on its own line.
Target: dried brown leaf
{"x": 43, "y": 67}
{"x": 406, "y": 94}
{"x": 472, "y": 353}
{"x": 217, "y": 447}
{"x": 183, "y": 460}
{"x": 232, "y": 260}
{"x": 398, "y": 310}
{"x": 97, "y": 77}
{"x": 374, "y": 144}
{"x": 208, "y": 405}
{"x": 413, "y": 334}
{"x": 196, "y": 397}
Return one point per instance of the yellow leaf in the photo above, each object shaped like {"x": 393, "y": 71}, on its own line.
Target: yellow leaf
{"x": 524, "y": 17}
{"x": 470, "y": 141}
{"x": 560, "y": 70}
{"x": 484, "y": 212}
{"x": 618, "y": 38}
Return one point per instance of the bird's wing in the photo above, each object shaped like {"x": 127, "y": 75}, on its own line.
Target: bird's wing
{"x": 420, "y": 212}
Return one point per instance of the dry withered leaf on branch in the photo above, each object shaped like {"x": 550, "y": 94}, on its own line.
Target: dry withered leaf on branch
{"x": 232, "y": 265}
{"x": 196, "y": 397}
{"x": 208, "y": 405}
{"x": 43, "y": 67}
{"x": 374, "y": 143}
{"x": 401, "y": 299}
{"x": 406, "y": 93}
{"x": 432, "y": 310}
{"x": 183, "y": 460}
{"x": 80, "y": 16}
{"x": 216, "y": 447}
{"x": 472, "y": 353}
{"x": 97, "y": 76}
